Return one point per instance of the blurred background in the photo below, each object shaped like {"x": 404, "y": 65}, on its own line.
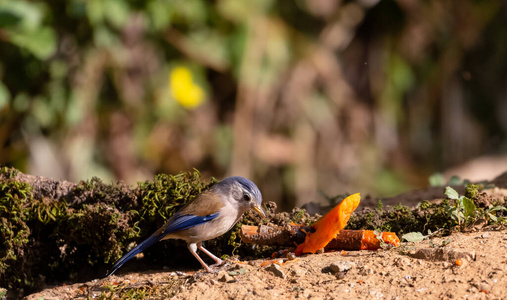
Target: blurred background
{"x": 306, "y": 97}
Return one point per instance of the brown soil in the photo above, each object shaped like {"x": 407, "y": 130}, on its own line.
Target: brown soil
{"x": 406, "y": 272}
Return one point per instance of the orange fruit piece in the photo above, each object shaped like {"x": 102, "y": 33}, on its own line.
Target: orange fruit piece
{"x": 327, "y": 227}
{"x": 370, "y": 241}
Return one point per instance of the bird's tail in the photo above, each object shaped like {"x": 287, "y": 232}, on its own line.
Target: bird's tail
{"x": 140, "y": 248}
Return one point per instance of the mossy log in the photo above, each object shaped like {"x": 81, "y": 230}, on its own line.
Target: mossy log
{"x": 59, "y": 231}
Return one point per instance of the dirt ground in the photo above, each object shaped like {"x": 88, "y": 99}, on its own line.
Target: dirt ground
{"x": 460, "y": 266}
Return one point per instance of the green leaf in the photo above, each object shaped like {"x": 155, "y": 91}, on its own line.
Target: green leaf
{"x": 454, "y": 213}
{"x": 8, "y": 18}
{"x": 158, "y": 14}
{"x": 451, "y": 193}
{"x": 437, "y": 179}
{"x": 469, "y": 206}
{"x": 459, "y": 203}
{"x": 493, "y": 217}
{"x": 95, "y": 11}
{"x": 495, "y": 208}
{"x": 22, "y": 15}
{"x": 413, "y": 237}
{"x": 41, "y": 42}
{"x": 117, "y": 12}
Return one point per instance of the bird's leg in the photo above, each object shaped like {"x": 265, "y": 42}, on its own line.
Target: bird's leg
{"x": 193, "y": 249}
{"x": 216, "y": 259}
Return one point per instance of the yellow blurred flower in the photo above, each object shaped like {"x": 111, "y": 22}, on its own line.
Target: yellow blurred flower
{"x": 183, "y": 89}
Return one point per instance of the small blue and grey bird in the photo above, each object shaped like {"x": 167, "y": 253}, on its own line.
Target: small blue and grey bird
{"x": 211, "y": 214}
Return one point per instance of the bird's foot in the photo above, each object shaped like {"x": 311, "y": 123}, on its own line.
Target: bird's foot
{"x": 209, "y": 269}
{"x": 220, "y": 266}
{"x": 215, "y": 268}
{"x": 219, "y": 263}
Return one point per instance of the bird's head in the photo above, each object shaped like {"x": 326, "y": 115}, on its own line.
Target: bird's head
{"x": 243, "y": 192}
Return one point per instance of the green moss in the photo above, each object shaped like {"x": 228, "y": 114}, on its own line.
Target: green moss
{"x": 401, "y": 219}
{"x": 471, "y": 190}
{"x": 8, "y": 172}
{"x": 14, "y": 230}
{"x": 298, "y": 215}
{"x": 162, "y": 197}
{"x": 167, "y": 289}
{"x": 424, "y": 205}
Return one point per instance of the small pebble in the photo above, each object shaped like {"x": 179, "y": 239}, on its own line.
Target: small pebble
{"x": 485, "y": 288}
{"x": 340, "y": 266}
{"x": 226, "y": 278}
{"x": 298, "y": 272}
{"x": 276, "y": 270}
{"x": 291, "y": 256}
{"x": 340, "y": 275}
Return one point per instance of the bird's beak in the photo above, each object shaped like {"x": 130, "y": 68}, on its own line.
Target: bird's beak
{"x": 258, "y": 209}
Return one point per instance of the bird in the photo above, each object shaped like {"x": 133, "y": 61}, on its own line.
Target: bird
{"x": 209, "y": 215}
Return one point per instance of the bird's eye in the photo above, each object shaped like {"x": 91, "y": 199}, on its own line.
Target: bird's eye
{"x": 246, "y": 197}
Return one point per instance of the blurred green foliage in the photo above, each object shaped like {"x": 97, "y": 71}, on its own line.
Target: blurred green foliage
{"x": 300, "y": 96}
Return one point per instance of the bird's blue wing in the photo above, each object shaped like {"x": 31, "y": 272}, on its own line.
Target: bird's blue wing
{"x": 177, "y": 223}
{"x": 182, "y": 222}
